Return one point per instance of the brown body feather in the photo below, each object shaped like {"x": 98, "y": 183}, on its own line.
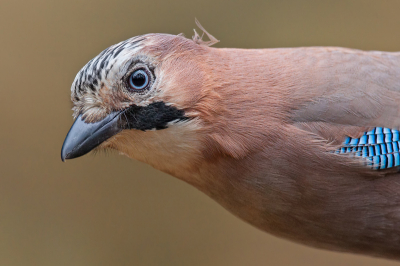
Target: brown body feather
{"x": 270, "y": 116}
{"x": 265, "y": 123}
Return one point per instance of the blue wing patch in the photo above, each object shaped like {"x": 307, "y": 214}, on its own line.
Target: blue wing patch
{"x": 380, "y": 147}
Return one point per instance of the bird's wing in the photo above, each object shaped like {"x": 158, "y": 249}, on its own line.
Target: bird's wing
{"x": 353, "y": 100}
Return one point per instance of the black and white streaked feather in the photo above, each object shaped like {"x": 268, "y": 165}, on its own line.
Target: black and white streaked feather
{"x": 97, "y": 69}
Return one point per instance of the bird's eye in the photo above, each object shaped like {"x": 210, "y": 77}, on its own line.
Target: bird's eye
{"x": 139, "y": 80}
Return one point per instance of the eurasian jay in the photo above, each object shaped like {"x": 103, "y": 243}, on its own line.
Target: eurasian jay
{"x": 302, "y": 143}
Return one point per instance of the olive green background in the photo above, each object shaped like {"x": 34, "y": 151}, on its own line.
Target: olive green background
{"x": 106, "y": 209}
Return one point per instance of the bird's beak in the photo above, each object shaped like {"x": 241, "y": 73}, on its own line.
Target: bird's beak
{"x": 84, "y": 137}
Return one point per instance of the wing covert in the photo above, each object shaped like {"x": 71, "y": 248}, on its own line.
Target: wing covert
{"x": 379, "y": 147}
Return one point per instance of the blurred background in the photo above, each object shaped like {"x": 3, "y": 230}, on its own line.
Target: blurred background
{"x": 109, "y": 210}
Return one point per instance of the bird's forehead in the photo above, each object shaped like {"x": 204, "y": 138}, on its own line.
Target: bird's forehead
{"x": 90, "y": 77}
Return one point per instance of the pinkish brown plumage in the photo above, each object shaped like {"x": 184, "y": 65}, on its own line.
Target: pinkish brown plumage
{"x": 255, "y": 129}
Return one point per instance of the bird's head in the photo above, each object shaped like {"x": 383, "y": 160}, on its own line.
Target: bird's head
{"x": 171, "y": 102}
{"x": 148, "y": 97}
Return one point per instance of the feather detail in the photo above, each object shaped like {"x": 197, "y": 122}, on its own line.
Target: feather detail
{"x": 199, "y": 39}
{"x": 379, "y": 147}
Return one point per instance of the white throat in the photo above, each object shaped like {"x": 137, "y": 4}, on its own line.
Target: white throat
{"x": 173, "y": 150}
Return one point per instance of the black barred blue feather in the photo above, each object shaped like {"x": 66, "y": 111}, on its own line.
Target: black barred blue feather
{"x": 380, "y": 147}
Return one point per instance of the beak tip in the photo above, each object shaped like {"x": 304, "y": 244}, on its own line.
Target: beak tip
{"x": 84, "y": 137}
{"x": 63, "y": 155}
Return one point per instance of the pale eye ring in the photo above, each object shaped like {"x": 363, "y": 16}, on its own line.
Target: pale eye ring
{"x": 139, "y": 80}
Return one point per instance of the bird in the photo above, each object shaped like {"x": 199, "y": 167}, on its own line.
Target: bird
{"x": 302, "y": 143}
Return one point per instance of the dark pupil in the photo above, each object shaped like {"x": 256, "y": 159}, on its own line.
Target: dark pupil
{"x": 138, "y": 80}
